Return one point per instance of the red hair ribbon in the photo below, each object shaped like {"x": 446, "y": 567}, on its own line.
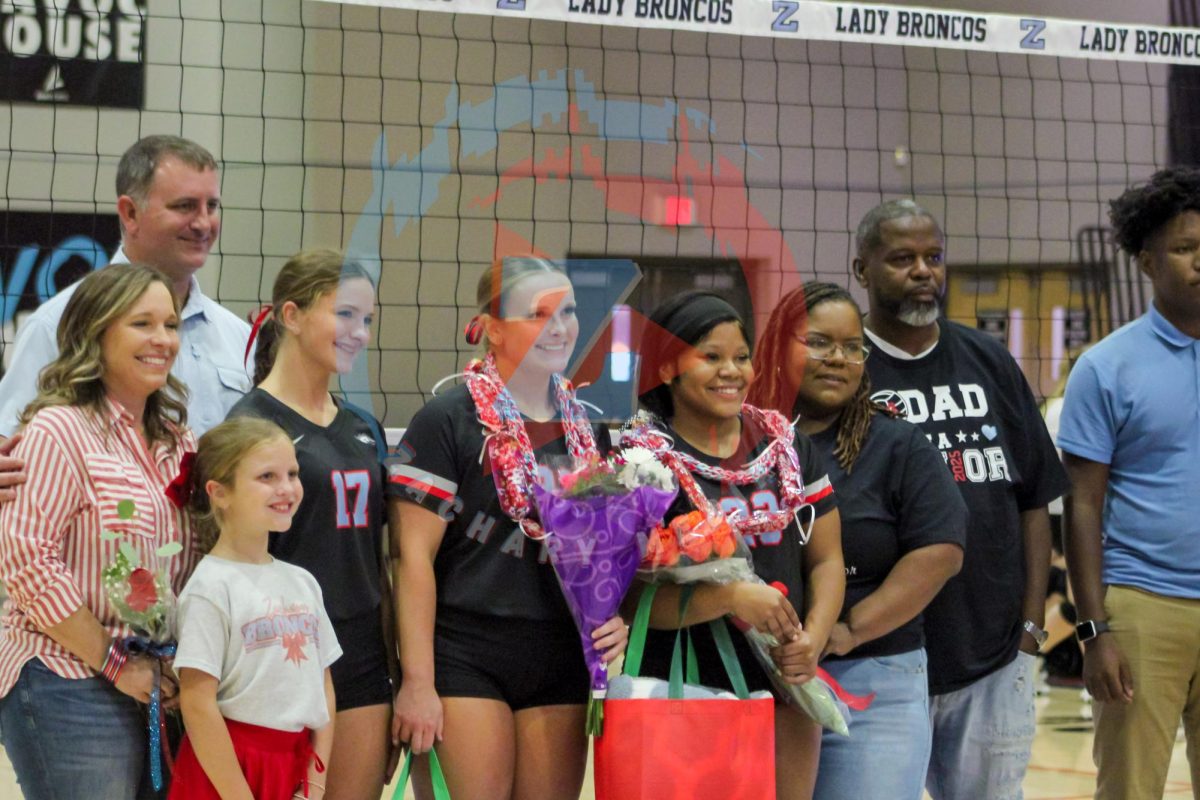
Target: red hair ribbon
{"x": 473, "y": 332}
{"x": 179, "y": 491}
{"x": 255, "y": 326}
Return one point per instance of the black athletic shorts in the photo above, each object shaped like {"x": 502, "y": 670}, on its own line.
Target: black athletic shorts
{"x": 523, "y": 663}
{"x": 360, "y": 676}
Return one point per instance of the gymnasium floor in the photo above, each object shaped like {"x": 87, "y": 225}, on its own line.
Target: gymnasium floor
{"x": 1061, "y": 768}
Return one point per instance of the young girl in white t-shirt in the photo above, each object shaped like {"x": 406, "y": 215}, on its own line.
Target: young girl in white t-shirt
{"x": 255, "y": 643}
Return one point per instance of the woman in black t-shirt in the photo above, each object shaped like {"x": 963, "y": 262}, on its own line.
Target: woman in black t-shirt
{"x": 903, "y": 529}
{"x": 744, "y": 461}
{"x": 493, "y": 671}
{"x": 318, "y": 323}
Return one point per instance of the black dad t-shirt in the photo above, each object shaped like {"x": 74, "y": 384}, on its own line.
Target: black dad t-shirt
{"x": 897, "y": 498}
{"x": 337, "y": 532}
{"x": 971, "y": 401}
{"x": 485, "y": 564}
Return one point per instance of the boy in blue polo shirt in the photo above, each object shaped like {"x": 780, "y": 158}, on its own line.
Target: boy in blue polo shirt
{"x": 1130, "y": 437}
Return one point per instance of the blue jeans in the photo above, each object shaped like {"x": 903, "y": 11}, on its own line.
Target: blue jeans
{"x": 70, "y": 739}
{"x": 888, "y": 749}
{"x": 983, "y": 735}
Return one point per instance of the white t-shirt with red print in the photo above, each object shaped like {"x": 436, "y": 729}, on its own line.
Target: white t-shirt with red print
{"x": 262, "y": 630}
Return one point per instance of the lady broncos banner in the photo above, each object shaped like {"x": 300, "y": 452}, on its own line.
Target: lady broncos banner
{"x": 851, "y": 22}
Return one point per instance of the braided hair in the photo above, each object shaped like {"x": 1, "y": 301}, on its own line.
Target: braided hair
{"x": 771, "y": 389}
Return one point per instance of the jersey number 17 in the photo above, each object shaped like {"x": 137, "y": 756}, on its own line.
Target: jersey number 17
{"x": 358, "y": 483}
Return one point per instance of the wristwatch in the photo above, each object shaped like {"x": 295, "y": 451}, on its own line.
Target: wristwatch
{"x": 1089, "y": 629}
{"x": 1037, "y": 633}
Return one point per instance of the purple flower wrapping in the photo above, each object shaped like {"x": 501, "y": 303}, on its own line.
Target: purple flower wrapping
{"x": 595, "y": 544}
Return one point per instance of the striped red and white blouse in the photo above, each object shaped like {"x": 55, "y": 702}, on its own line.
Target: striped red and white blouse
{"x": 79, "y": 469}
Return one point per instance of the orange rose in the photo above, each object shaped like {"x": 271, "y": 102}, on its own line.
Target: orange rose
{"x": 723, "y": 538}
{"x": 694, "y": 539}
{"x": 662, "y": 550}
{"x": 684, "y": 523}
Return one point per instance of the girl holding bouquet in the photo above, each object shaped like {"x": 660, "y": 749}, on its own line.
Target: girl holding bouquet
{"x": 255, "y": 643}
{"x": 318, "y": 323}
{"x": 493, "y": 673}
{"x": 697, "y": 357}
{"x": 903, "y": 529}
{"x": 102, "y": 440}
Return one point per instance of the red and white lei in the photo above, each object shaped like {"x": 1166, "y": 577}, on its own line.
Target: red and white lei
{"x": 778, "y": 455}
{"x": 509, "y": 449}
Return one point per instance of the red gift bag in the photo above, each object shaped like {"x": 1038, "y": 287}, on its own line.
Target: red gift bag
{"x": 675, "y": 749}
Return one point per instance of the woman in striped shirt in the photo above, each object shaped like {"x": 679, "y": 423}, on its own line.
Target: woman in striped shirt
{"x": 102, "y": 440}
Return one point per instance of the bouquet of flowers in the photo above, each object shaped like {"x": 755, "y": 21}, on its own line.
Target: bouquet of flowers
{"x": 695, "y": 548}
{"x": 595, "y": 526}
{"x": 143, "y": 600}
{"x": 706, "y": 546}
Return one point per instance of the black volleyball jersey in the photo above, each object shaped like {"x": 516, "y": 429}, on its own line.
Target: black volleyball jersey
{"x": 777, "y": 555}
{"x": 337, "y": 532}
{"x": 485, "y": 563}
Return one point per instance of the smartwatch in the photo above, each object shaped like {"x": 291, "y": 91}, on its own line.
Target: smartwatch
{"x": 1089, "y": 629}
{"x": 1037, "y": 633}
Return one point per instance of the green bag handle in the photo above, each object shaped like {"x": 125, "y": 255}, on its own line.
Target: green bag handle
{"x": 733, "y": 668}
{"x": 720, "y": 632}
{"x": 440, "y": 790}
{"x": 636, "y": 646}
{"x": 693, "y": 664}
{"x": 675, "y": 684}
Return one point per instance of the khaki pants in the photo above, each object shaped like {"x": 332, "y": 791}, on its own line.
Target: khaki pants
{"x": 1161, "y": 638}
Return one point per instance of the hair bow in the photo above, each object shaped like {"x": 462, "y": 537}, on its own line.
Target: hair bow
{"x": 256, "y": 323}
{"x": 179, "y": 491}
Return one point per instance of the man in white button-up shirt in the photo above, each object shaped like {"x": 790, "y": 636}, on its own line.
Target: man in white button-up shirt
{"x": 169, "y": 204}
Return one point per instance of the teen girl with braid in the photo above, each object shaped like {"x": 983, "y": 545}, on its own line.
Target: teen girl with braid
{"x": 319, "y": 322}
{"x": 903, "y": 524}
{"x": 492, "y": 669}
{"x": 747, "y": 463}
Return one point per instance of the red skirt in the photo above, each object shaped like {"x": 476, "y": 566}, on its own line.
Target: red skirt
{"x": 274, "y": 762}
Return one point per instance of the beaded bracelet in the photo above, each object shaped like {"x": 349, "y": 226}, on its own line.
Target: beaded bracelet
{"x": 114, "y": 661}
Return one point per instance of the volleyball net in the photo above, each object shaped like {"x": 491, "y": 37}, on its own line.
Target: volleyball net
{"x": 651, "y": 145}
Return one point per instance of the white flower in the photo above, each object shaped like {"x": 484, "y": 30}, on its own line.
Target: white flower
{"x": 637, "y": 456}
{"x": 628, "y": 477}
{"x": 655, "y": 474}
{"x": 640, "y": 467}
